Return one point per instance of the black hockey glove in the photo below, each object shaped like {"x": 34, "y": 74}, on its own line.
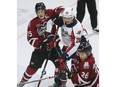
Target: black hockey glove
{"x": 65, "y": 56}
{"x": 57, "y": 81}
{"x": 53, "y": 40}
{"x": 83, "y": 39}
{"x": 50, "y": 40}
{"x": 60, "y": 79}
{"x": 58, "y": 20}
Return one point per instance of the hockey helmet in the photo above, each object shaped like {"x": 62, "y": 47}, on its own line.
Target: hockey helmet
{"x": 67, "y": 12}
{"x": 39, "y": 6}
{"x": 84, "y": 46}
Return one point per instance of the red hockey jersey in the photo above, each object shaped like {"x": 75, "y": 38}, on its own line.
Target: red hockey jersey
{"x": 85, "y": 72}
{"x": 37, "y": 28}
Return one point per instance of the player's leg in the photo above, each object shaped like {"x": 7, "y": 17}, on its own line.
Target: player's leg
{"x": 60, "y": 72}
{"x": 91, "y": 5}
{"x": 80, "y": 10}
{"x": 36, "y": 62}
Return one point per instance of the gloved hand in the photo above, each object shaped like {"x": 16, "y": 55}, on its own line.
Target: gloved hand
{"x": 61, "y": 80}
{"x": 57, "y": 82}
{"x": 43, "y": 44}
{"x": 65, "y": 56}
{"x": 60, "y": 60}
{"x": 62, "y": 67}
{"x": 46, "y": 45}
{"x": 83, "y": 39}
{"x": 58, "y": 20}
{"x": 50, "y": 41}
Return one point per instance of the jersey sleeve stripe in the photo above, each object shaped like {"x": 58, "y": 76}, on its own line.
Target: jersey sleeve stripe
{"x": 94, "y": 80}
{"x": 32, "y": 41}
{"x": 81, "y": 80}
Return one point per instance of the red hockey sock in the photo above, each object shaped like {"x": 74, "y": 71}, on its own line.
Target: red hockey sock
{"x": 56, "y": 72}
{"x": 28, "y": 73}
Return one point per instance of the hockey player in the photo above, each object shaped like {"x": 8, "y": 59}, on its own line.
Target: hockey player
{"x": 71, "y": 32}
{"x": 84, "y": 70}
{"x": 41, "y": 40}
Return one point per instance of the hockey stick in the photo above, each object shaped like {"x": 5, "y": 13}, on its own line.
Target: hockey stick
{"x": 50, "y": 77}
{"x": 43, "y": 71}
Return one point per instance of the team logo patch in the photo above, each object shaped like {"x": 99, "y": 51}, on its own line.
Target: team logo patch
{"x": 86, "y": 65}
{"x": 79, "y": 32}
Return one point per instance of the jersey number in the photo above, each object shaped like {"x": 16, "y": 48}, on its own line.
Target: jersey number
{"x": 85, "y": 75}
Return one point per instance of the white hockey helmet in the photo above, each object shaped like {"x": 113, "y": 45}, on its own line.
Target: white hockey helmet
{"x": 67, "y": 12}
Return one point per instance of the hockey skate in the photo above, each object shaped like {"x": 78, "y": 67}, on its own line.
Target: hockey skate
{"x": 20, "y": 84}
{"x": 60, "y": 81}
{"x": 95, "y": 30}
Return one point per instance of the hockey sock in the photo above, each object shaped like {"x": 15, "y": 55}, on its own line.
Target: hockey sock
{"x": 28, "y": 73}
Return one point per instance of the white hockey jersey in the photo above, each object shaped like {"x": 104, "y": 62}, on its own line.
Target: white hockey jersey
{"x": 71, "y": 36}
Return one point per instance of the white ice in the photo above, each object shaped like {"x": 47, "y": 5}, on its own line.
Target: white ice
{"x": 25, "y": 12}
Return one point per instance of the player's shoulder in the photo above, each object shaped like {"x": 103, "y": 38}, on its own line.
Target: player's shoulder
{"x": 32, "y": 22}
{"x": 34, "y": 19}
{"x": 78, "y": 25}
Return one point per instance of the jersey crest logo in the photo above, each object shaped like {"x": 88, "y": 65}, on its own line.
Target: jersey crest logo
{"x": 79, "y": 32}
{"x": 86, "y": 65}
{"x": 64, "y": 33}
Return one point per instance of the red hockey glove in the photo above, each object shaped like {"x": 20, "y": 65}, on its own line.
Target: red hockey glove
{"x": 61, "y": 67}
{"x": 61, "y": 64}
{"x": 51, "y": 44}
{"x": 60, "y": 60}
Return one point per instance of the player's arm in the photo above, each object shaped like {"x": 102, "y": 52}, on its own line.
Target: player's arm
{"x": 56, "y": 16}
{"x": 75, "y": 39}
{"x": 58, "y": 10}
{"x": 85, "y": 34}
{"x": 82, "y": 77}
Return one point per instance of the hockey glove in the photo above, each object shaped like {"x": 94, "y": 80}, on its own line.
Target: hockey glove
{"x": 50, "y": 41}
{"x": 61, "y": 67}
{"x": 83, "y": 39}
{"x": 61, "y": 79}
{"x": 57, "y": 82}
{"x": 65, "y": 56}
{"x": 60, "y": 60}
{"x": 58, "y": 20}
{"x": 43, "y": 44}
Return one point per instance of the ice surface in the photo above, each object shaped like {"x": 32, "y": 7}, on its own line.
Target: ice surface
{"x": 25, "y": 12}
